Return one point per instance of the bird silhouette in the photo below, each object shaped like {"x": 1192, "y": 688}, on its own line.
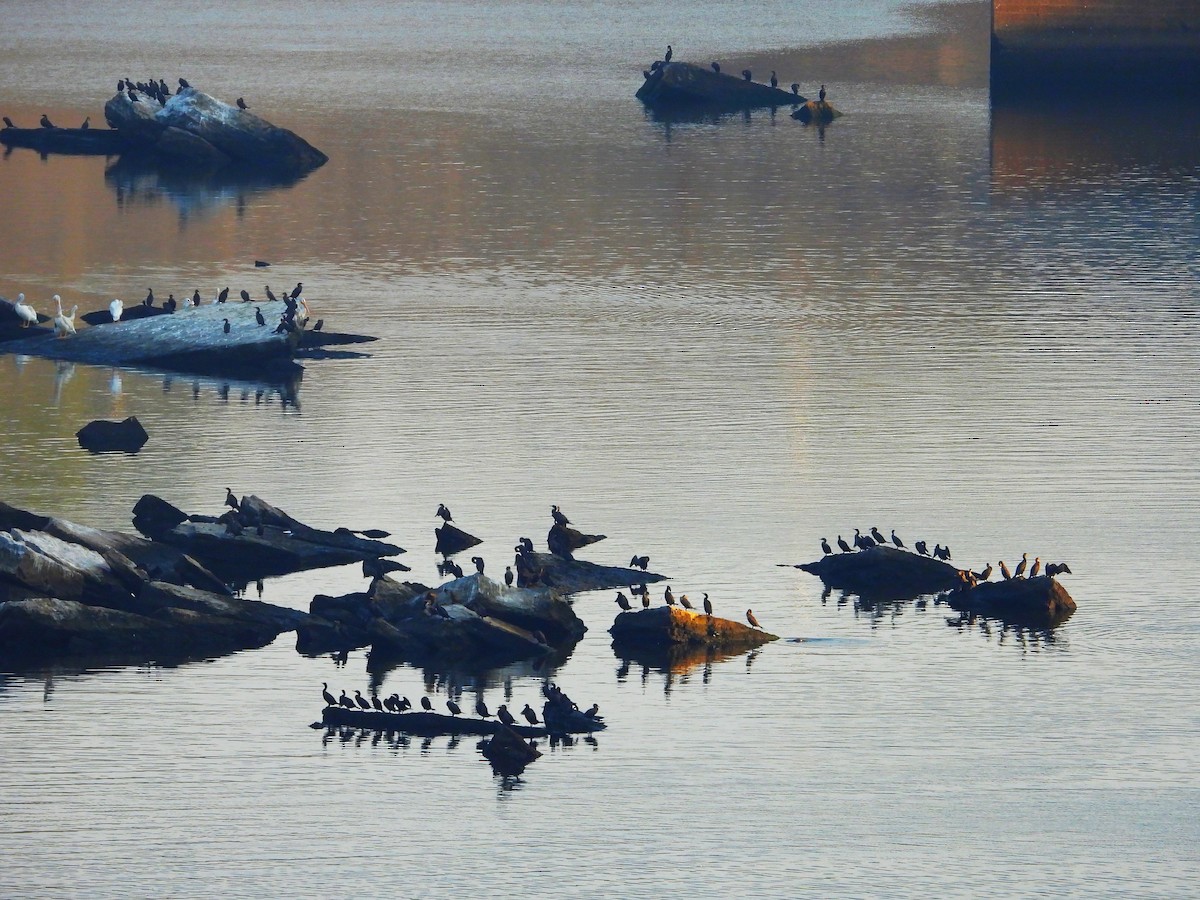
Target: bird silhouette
{"x": 508, "y": 575}
{"x": 241, "y": 103}
{"x": 667, "y": 56}
{"x": 1036, "y": 567}
{"x": 530, "y": 715}
{"x": 1020, "y": 570}
{"x": 504, "y": 715}
{"x": 444, "y": 512}
{"x": 231, "y": 501}
{"x": 258, "y": 316}
{"x": 774, "y": 79}
{"x": 426, "y": 704}
{"x": 685, "y": 602}
{"x": 455, "y": 709}
{"x": 707, "y": 606}
{"x": 623, "y": 601}
{"x": 45, "y": 121}
{"x": 482, "y": 710}
{"x": 1004, "y": 571}
{"x": 361, "y": 701}
{"x": 330, "y": 700}
{"x": 559, "y": 518}
{"x": 896, "y": 540}
{"x": 669, "y": 596}
{"x": 825, "y": 548}
{"x": 845, "y": 548}
{"x": 922, "y": 548}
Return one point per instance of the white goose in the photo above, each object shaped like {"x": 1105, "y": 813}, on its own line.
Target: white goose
{"x": 64, "y": 324}
{"x": 115, "y": 309}
{"x": 26, "y": 313}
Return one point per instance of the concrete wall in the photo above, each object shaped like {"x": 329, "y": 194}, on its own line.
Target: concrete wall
{"x": 1168, "y": 19}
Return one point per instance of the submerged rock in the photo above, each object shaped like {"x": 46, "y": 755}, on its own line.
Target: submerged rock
{"x": 100, "y": 436}
{"x": 667, "y": 626}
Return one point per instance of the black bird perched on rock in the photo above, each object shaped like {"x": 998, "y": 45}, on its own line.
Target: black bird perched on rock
{"x": 922, "y": 548}
{"x": 231, "y": 500}
{"x": 171, "y": 303}
{"x": 330, "y": 700}
{"x": 505, "y": 716}
{"x": 258, "y": 316}
{"x": 845, "y": 548}
{"x": 298, "y": 289}
{"x": 669, "y": 596}
{"x": 896, "y": 540}
{"x": 640, "y": 562}
{"x": 716, "y": 68}
{"x": 858, "y": 540}
{"x": 163, "y": 89}
{"x": 821, "y": 94}
{"x": 508, "y": 575}
{"x": 796, "y": 88}
{"x": 443, "y": 511}
{"x": 685, "y": 602}
{"x": 120, "y": 85}
{"x": 1053, "y": 569}
{"x": 245, "y": 296}
{"x": 1004, "y": 571}
{"x": 526, "y": 545}
{"x": 774, "y": 79}
{"x": 183, "y": 85}
{"x": 270, "y": 296}
{"x": 707, "y": 606}
{"x": 645, "y": 599}
{"x": 223, "y": 296}
{"x": 361, "y": 701}
{"x": 879, "y": 538}
{"x": 87, "y": 123}
{"x": 750, "y": 618}
{"x": 667, "y": 56}
{"x": 530, "y": 715}
{"x": 1021, "y": 566}
{"x": 133, "y": 97}
{"x": 242, "y": 103}
{"x": 593, "y": 712}
{"x": 404, "y": 704}
{"x": 389, "y": 703}
{"x": 149, "y": 301}
{"x": 623, "y": 601}
{"x": 8, "y": 123}
{"x": 377, "y": 703}
{"x": 320, "y": 324}
{"x": 559, "y": 518}
{"x": 455, "y": 709}
{"x": 478, "y": 560}
{"x": 482, "y": 710}
{"x": 825, "y": 548}
{"x": 426, "y": 704}
{"x": 46, "y": 123}
{"x": 345, "y": 701}
{"x": 225, "y": 327}
{"x": 986, "y": 573}
{"x": 746, "y": 74}
{"x": 1037, "y": 567}
{"x": 453, "y": 568}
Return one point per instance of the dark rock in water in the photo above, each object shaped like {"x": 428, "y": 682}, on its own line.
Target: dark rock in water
{"x": 563, "y": 540}
{"x": 567, "y": 576}
{"x": 152, "y": 514}
{"x": 508, "y": 754}
{"x": 451, "y": 540}
{"x": 665, "y": 626}
{"x": 11, "y": 326}
{"x": 196, "y": 128}
{"x": 885, "y": 573}
{"x": 73, "y": 141}
{"x": 678, "y": 84}
{"x": 1037, "y": 602}
{"x": 819, "y": 111}
{"x": 100, "y": 436}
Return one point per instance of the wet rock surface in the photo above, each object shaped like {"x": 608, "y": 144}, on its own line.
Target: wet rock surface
{"x": 885, "y": 572}
{"x": 680, "y": 84}
{"x": 669, "y": 626}
{"x": 574, "y": 576}
{"x": 1040, "y": 601}
{"x": 100, "y": 436}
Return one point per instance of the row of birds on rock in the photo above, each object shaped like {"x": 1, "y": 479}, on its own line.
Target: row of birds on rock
{"x": 397, "y": 704}
{"x": 747, "y": 75}
{"x": 1051, "y": 569}
{"x": 154, "y": 88}
{"x": 875, "y": 538}
{"x": 670, "y": 599}
{"x": 45, "y": 122}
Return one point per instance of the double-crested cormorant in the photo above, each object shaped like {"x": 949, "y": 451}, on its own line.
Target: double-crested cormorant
{"x": 716, "y": 68}
{"x": 504, "y": 715}
{"x": 225, "y": 327}
{"x": 896, "y": 540}
{"x": 133, "y": 97}
{"x": 258, "y": 316}
{"x": 478, "y": 560}
{"x": 298, "y": 289}
{"x": 455, "y": 709}
{"x": 845, "y": 548}
{"x": 1004, "y": 571}
{"x": 879, "y": 538}
{"x": 825, "y": 548}
{"x": 404, "y": 704}
{"x": 986, "y": 573}
{"x": 559, "y": 518}
{"x": 377, "y": 703}
{"x": 270, "y": 295}
{"x": 750, "y": 618}
{"x": 242, "y": 103}
{"x": 426, "y": 704}
{"x": 707, "y": 606}
{"x": 623, "y": 601}
{"x": 171, "y": 303}
{"x": 796, "y": 88}
{"x": 481, "y": 709}
{"x": 183, "y": 85}
{"x": 922, "y": 548}
{"x": 508, "y": 575}
{"x": 87, "y": 123}
{"x": 231, "y": 500}
{"x": 593, "y": 712}
{"x": 120, "y": 85}
{"x": 640, "y": 562}
{"x": 645, "y": 599}
{"x": 746, "y": 74}
{"x": 320, "y": 324}
{"x": 774, "y": 79}
{"x": 1020, "y": 571}
{"x": 361, "y": 701}
{"x": 8, "y": 123}
{"x": 1037, "y": 567}
{"x": 443, "y": 512}
{"x": 669, "y": 596}
{"x": 530, "y": 715}
{"x": 345, "y": 701}
{"x": 667, "y": 56}
{"x": 858, "y": 539}
{"x": 821, "y": 94}
{"x": 330, "y": 700}
{"x": 526, "y": 545}
{"x": 46, "y": 123}
{"x": 245, "y": 296}
{"x": 149, "y": 301}
{"x": 223, "y": 296}
{"x": 1053, "y": 569}
{"x": 453, "y": 568}
{"x": 685, "y": 602}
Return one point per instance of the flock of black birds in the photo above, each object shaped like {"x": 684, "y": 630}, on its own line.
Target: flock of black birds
{"x": 969, "y": 577}
{"x": 555, "y": 698}
{"x": 747, "y": 75}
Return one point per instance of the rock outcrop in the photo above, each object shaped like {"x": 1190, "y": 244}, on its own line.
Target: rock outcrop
{"x": 1038, "y": 602}
{"x": 683, "y": 85}
{"x": 452, "y": 539}
{"x": 819, "y": 111}
{"x": 885, "y": 573}
{"x": 565, "y": 575}
{"x": 668, "y": 626}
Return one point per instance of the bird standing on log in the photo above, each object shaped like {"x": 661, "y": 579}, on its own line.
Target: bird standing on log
{"x": 64, "y": 324}
{"x": 361, "y": 700}
{"x": 455, "y": 709}
{"x": 922, "y": 548}
{"x": 345, "y": 701}
{"x": 231, "y": 500}
{"x": 895, "y": 540}
{"x": 821, "y": 94}
{"x": 8, "y": 123}
{"x": 426, "y": 704}
{"x": 504, "y": 715}
{"x": 878, "y": 538}
{"x": 645, "y": 599}
{"x": 481, "y": 709}
{"x": 508, "y": 575}
{"x": 707, "y": 606}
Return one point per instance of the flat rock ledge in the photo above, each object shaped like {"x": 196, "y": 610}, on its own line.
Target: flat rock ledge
{"x": 669, "y": 626}
{"x": 566, "y": 576}
{"x": 684, "y": 85}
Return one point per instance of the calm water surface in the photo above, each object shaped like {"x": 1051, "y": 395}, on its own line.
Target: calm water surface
{"x": 716, "y": 342}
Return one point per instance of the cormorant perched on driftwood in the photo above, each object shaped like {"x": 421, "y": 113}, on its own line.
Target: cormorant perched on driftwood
{"x": 640, "y": 562}
{"x": 645, "y": 599}
{"x": 669, "y": 596}
{"x": 508, "y": 575}
{"x": 361, "y": 701}
{"x": 133, "y": 97}
{"x": 46, "y": 123}
{"x": 242, "y": 103}
{"x": 377, "y": 703}
{"x": 895, "y": 540}
{"x": 8, "y": 123}
{"x": 825, "y": 548}
{"x": 149, "y": 301}
{"x": 986, "y": 573}
{"x": 345, "y": 701}
{"x": 750, "y": 618}
{"x": 444, "y": 512}
{"x": 879, "y": 538}
{"x": 505, "y": 716}
{"x": 623, "y": 601}
{"x": 922, "y": 548}
{"x": 298, "y": 289}
{"x": 330, "y": 700}
{"x": 426, "y": 705}
{"x": 1037, "y": 567}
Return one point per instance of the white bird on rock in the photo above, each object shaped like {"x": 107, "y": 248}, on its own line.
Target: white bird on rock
{"x": 26, "y": 313}
{"x": 64, "y": 324}
{"x": 115, "y": 309}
